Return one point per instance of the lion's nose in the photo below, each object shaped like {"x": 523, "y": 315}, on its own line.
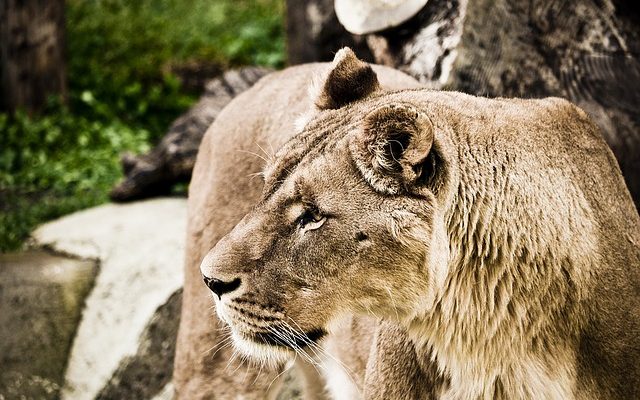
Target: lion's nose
{"x": 221, "y": 287}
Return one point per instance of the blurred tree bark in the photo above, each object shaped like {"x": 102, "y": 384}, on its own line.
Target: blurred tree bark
{"x": 314, "y": 33}
{"x": 583, "y": 50}
{"x": 172, "y": 160}
{"x": 32, "y": 44}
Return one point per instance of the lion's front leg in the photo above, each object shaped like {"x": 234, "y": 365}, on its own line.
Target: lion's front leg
{"x": 395, "y": 370}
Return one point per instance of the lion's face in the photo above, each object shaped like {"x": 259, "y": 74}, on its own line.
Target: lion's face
{"x": 338, "y": 231}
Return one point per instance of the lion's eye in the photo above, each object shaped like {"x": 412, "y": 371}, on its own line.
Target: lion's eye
{"x": 311, "y": 219}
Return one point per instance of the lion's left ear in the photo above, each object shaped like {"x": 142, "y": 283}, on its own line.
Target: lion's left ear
{"x": 349, "y": 79}
{"x": 392, "y": 148}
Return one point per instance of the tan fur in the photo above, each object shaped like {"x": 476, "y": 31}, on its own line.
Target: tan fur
{"x": 493, "y": 240}
{"x": 226, "y": 184}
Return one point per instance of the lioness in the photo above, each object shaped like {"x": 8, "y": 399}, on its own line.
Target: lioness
{"x": 494, "y": 240}
{"x": 223, "y": 189}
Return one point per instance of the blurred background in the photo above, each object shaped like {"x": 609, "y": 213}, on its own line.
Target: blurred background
{"x": 100, "y": 77}
{"x": 105, "y": 102}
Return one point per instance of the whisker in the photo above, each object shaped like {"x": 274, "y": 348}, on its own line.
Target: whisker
{"x": 326, "y": 353}
{"x": 290, "y": 341}
{"x": 322, "y": 353}
{"x": 246, "y": 370}
{"x": 227, "y": 342}
{"x": 262, "y": 362}
{"x": 273, "y": 152}
{"x": 269, "y": 156}
{"x": 279, "y": 375}
{"x": 241, "y": 361}
{"x": 256, "y": 175}
{"x": 234, "y": 355}
{"x": 300, "y": 334}
{"x": 314, "y": 363}
{"x": 393, "y": 303}
{"x": 254, "y": 154}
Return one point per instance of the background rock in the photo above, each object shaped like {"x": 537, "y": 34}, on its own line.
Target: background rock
{"x": 146, "y": 373}
{"x": 140, "y": 249}
{"x": 41, "y": 298}
{"x": 585, "y": 51}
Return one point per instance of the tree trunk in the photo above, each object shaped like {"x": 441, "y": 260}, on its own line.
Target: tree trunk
{"x": 314, "y": 33}
{"x": 32, "y": 53}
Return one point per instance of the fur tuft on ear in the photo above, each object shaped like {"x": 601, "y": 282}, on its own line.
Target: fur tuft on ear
{"x": 392, "y": 148}
{"x": 350, "y": 79}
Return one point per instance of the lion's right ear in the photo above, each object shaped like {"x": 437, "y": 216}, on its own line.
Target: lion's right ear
{"x": 349, "y": 80}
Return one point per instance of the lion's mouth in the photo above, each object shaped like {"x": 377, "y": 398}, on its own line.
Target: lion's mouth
{"x": 290, "y": 340}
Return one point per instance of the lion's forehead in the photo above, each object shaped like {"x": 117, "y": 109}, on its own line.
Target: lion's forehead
{"x": 301, "y": 180}
{"x": 324, "y": 135}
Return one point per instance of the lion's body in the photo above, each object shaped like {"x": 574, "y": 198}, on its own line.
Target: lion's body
{"x": 495, "y": 238}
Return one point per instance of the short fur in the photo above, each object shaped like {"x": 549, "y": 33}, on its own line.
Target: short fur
{"x": 495, "y": 237}
{"x": 225, "y": 186}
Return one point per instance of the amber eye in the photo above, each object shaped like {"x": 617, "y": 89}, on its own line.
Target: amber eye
{"x": 311, "y": 218}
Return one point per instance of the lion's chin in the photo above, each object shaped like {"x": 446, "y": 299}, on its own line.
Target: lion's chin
{"x": 273, "y": 356}
{"x": 275, "y": 349}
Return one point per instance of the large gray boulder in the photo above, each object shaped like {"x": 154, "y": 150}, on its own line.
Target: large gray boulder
{"x": 585, "y": 51}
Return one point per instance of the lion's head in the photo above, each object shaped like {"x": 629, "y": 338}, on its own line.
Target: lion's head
{"x": 348, "y": 222}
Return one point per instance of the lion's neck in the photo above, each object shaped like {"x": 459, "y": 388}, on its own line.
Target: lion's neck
{"x": 505, "y": 319}
{"x": 498, "y": 348}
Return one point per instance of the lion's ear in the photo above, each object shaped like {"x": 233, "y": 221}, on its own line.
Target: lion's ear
{"x": 392, "y": 148}
{"x": 350, "y": 79}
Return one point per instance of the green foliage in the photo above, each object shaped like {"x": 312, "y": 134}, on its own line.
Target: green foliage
{"x": 56, "y": 164}
{"x": 122, "y": 97}
{"x": 121, "y": 50}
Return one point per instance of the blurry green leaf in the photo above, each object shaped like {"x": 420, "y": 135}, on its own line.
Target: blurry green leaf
{"x": 87, "y": 97}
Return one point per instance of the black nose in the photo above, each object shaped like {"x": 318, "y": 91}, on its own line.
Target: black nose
{"x": 221, "y": 287}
